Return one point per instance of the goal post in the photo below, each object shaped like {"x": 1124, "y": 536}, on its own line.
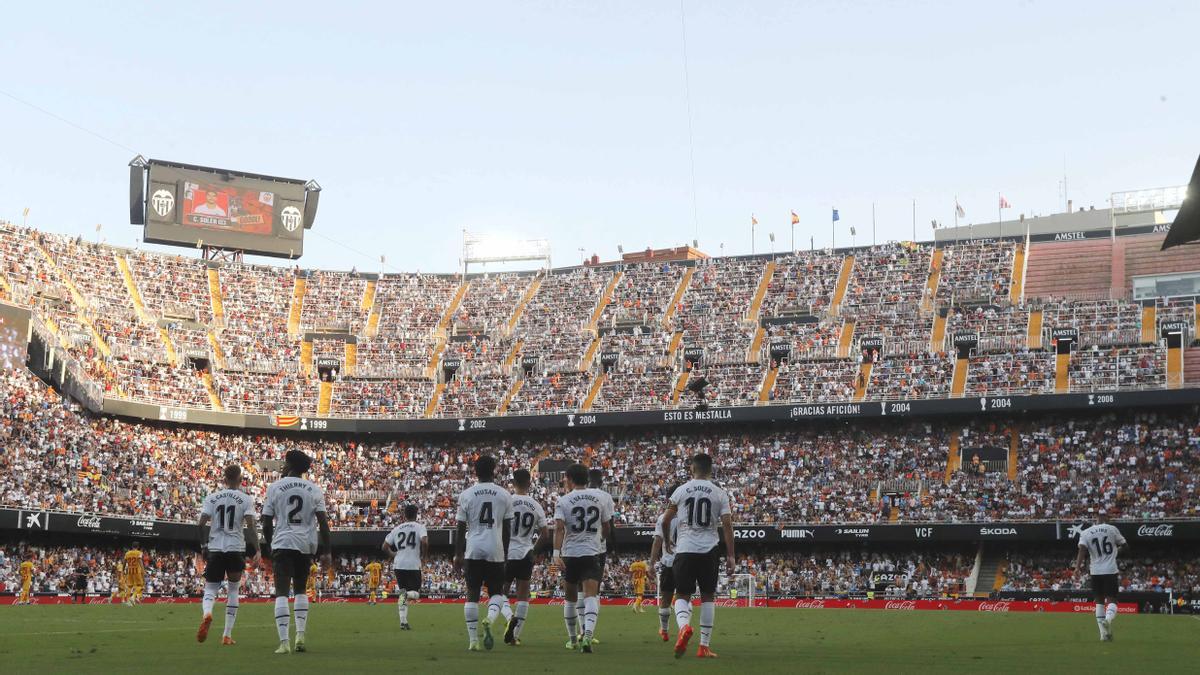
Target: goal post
{"x": 741, "y": 587}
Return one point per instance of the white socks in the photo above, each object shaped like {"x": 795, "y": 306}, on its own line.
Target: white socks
{"x": 683, "y": 612}
{"x": 301, "y": 608}
{"x": 581, "y": 609}
{"x": 520, "y": 614}
{"x": 403, "y": 605}
{"x": 283, "y": 617}
{"x": 210, "y": 597}
{"x": 231, "y": 607}
{"x": 1100, "y": 621}
{"x": 471, "y": 613}
{"x": 495, "y": 602}
{"x": 570, "y": 615}
{"x": 707, "y": 611}
{"x": 1110, "y": 612}
{"x": 591, "y": 612}
{"x": 664, "y": 618}
{"x": 507, "y": 612}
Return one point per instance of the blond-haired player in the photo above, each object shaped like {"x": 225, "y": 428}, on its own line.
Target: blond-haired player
{"x": 311, "y": 588}
{"x": 119, "y": 588}
{"x": 26, "y": 581}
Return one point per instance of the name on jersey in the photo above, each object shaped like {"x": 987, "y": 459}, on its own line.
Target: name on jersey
{"x": 486, "y": 491}
{"x": 698, "y": 488}
{"x": 572, "y": 499}
{"x": 293, "y": 485}
{"x": 232, "y": 495}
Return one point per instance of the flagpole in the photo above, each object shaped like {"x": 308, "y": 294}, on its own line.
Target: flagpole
{"x": 1000, "y": 213}
{"x": 956, "y": 212}
{"x": 914, "y": 237}
{"x": 752, "y": 222}
{"x": 833, "y": 231}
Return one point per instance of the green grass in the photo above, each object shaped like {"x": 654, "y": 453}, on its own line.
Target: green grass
{"x": 358, "y": 638}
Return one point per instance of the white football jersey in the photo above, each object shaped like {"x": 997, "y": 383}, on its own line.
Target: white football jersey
{"x": 406, "y": 538}
{"x": 1101, "y": 542}
{"x": 228, "y": 510}
{"x": 294, "y": 504}
{"x": 484, "y": 507}
{"x": 582, "y": 511}
{"x": 701, "y": 505}
{"x": 668, "y": 559}
{"x": 528, "y": 519}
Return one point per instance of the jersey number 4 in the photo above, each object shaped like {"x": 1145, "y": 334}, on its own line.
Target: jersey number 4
{"x": 699, "y": 511}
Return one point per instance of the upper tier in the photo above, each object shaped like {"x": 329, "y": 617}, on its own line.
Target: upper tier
{"x": 187, "y": 333}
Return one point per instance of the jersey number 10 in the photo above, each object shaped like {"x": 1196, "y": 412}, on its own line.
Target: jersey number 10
{"x": 699, "y": 511}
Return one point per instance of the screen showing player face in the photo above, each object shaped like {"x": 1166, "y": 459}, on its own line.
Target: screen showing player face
{"x": 223, "y": 207}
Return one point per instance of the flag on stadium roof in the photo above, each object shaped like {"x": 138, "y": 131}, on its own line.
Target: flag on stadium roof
{"x": 959, "y": 210}
{"x": 795, "y": 218}
{"x": 1004, "y": 203}
{"x": 836, "y": 217}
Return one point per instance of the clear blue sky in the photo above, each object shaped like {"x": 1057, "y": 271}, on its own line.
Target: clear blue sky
{"x": 568, "y": 120}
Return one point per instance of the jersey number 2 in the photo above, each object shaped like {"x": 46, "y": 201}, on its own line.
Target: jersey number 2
{"x": 297, "y": 504}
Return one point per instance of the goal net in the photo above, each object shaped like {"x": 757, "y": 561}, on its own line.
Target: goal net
{"x": 741, "y": 587}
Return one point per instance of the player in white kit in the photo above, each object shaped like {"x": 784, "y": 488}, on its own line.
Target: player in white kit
{"x": 705, "y": 513}
{"x": 222, "y": 518}
{"x": 529, "y": 519}
{"x": 582, "y": 520}
{"x": 481, "y": 546}
{"x": 292, "y": 513}
{"x": 1101, "y": 542}
{"x": 666, "y": 575}
{"x": 408, "y": 543}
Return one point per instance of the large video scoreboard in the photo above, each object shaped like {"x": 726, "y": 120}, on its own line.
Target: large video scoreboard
{"x": 200, "y": 206}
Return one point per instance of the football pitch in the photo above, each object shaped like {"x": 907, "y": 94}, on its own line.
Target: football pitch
{"x": 359, "y": 638}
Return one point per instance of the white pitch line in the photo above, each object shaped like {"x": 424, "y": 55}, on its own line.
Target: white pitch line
{"x": 106, "y": 630}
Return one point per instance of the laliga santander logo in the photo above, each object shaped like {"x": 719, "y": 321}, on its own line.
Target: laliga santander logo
{"x": 1156, "y": 530}
{"x": 810, "y": 604}
{"x": 290, "y": 217}
{"x": 162, "y": 201}
{"x": 901, "y": 604}
{"x": 1001, "y": 606}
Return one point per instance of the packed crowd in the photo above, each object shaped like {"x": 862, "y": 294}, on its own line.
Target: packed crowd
{"x": 976, "y": 272}
{"x": 1154, "y": 569}
{"x": 712, "y": 311}
{"x": 828, "y": 571}
{"x": 1144, "y": 465}
{"x": 243, "y": 323}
